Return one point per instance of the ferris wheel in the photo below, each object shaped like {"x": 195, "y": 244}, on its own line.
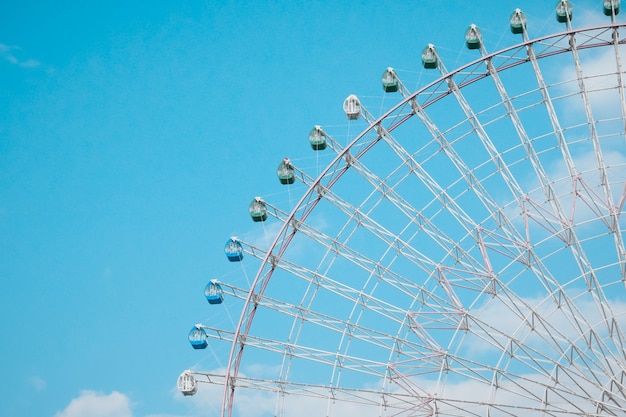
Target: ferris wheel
{"x": 462, "y": 255}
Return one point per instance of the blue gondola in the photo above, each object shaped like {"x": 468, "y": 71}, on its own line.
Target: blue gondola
{"x": 233, "y": 250}
{"x": 214, "y": 293}
{"x": 258, "y": 210}
{"x": 473, "y": 37}
{"x": 286, "y": 173}
{"x": 317, "y": 138}
{"x": 197, "y": 337}
{"x": 518, "y": 22}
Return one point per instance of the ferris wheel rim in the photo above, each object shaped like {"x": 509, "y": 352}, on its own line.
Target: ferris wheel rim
{"x": 284, "y": 236}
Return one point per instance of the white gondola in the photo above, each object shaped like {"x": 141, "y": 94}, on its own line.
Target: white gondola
{"x": 352, "y": 107}
{"x": 187, "y": 384}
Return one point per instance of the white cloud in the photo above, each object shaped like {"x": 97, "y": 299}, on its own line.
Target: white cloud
{"x": 38, "y": 383}
{"x": 8, "y": 52}
{"x": 97, "y": 404}
{"x": 164, "y": 415}
{"x": 599, "y": 67}
{"x": 94, "y": 404}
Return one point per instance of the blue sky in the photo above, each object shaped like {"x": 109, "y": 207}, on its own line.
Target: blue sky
{"x": 133, "y": 136}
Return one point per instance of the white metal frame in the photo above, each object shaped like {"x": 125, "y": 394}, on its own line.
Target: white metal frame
{"x": 580, "y": 369}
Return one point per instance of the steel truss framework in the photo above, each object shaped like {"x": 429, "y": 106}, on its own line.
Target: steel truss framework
{"x": 462, "y": 255}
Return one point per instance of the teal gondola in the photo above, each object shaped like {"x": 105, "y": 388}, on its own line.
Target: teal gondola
{"x": 214, "y": 293}
{"x": 317, "y": 138}
{"x": 286, "y": 172}
{"x": 473, "y": 37}
{"x": 611, "y": 7}
{"x": 564, "y": 11}
{"x": 518, "y": 22}
{"x": 233, "y": 250}
{"x": 197, "y": 337}
{"x": 429, "y": 57}
{"x": 258, "y": 210}
{"x": 390, "y": 81}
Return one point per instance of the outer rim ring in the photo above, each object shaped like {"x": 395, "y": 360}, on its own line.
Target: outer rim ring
{"x": 314, "y": 193}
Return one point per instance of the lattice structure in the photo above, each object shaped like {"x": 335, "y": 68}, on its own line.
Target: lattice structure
{"x": 463, "y": 255}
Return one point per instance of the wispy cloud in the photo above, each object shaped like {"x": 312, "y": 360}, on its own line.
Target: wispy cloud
{"x": 38, "y": 383}
{"x": 10, "y": 54}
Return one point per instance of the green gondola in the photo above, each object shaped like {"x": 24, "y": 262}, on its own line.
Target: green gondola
{"x": 611, "y": 7}
{"x": 286, "y": 172}
{"x": 518, "y": 22}
{"x": 564, "y": 11}
{"x": 429, "y": 57}
{"x": 390, "y": 81}
{"x": 258, "y": 210}
{"x": 473, "y": 37}
{"x": 317, "y": 138}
